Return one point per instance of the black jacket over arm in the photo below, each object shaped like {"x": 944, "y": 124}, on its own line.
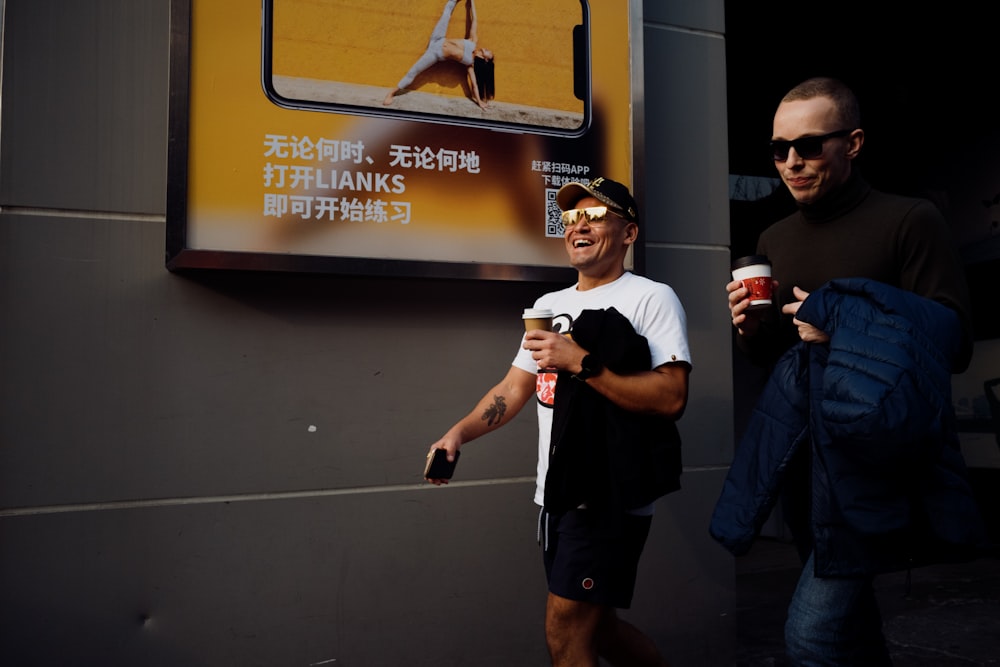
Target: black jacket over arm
{"x": 600, "y": 454}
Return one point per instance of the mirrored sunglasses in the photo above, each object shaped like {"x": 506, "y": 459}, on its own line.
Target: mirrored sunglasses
{"x": 807, "y": 148}
{"x": 595, "y": 215}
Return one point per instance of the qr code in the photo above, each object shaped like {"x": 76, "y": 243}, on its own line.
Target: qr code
{"x": 553, "y": 215}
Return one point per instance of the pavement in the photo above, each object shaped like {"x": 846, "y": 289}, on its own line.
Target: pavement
{"x": 948, "y": 616}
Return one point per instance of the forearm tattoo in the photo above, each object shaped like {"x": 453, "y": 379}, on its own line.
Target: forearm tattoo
{"x": 494, "y": 414}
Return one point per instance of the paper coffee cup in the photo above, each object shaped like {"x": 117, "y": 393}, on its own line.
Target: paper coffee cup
{"x": 754, "y": 271}
{"x": 537, "y": 318}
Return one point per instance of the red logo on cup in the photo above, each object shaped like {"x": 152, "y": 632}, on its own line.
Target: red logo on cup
{"x": 754, "y": 271}
{"x": 759, "y": 288}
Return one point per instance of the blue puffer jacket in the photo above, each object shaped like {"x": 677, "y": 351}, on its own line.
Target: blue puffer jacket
{"x": 888, "y": 487}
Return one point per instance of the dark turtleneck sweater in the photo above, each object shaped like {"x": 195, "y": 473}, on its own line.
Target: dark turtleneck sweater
{"x": 858, "y": 232}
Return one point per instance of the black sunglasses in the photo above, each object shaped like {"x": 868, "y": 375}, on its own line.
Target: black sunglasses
{"x": 807, "y": 148}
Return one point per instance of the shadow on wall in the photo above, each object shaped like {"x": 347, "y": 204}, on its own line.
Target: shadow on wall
{"x": 991, "y": 388}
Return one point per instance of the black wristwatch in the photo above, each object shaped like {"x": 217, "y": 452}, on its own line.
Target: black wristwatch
{"x": 591, "y": 366}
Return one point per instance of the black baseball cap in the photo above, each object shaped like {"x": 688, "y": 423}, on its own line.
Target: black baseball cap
{"x": 612, "y": 194}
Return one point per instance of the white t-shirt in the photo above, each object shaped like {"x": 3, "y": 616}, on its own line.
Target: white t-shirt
{"x": 654, "y": 311}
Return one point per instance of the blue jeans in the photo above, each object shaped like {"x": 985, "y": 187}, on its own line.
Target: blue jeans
{"x": 834, "y": 622}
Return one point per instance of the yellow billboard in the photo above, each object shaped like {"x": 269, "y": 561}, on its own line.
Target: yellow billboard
{"x": 420, "y": 136}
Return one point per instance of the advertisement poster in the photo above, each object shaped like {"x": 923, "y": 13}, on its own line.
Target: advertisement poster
{"x": 352, "y": 136}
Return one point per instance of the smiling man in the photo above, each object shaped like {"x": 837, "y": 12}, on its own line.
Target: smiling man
{"x": 843, "y": 227}
{"x": 609, "y": 386}
{"x": 844, "y": 232}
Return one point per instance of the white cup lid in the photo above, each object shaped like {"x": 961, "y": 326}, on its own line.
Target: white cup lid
{"x": 536, "y": 313}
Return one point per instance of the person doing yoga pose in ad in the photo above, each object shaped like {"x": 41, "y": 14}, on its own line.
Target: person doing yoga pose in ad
{"x": 478, "y": 60}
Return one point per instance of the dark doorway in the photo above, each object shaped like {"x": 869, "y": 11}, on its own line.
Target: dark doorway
{"x": 927, "y": 80}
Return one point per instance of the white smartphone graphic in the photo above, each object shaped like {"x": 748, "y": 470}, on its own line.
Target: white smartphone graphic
{"x": 346, "y": 56}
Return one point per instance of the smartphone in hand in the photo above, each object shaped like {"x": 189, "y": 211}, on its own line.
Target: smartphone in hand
{"x": 438, "y": 466}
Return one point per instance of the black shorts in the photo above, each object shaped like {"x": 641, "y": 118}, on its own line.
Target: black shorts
{"x": 593, "y": 556}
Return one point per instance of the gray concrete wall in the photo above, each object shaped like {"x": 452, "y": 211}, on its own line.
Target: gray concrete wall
{"x": 225, "y": 468}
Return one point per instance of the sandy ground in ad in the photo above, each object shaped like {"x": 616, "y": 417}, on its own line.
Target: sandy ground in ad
{"x": 368, "y": 99}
